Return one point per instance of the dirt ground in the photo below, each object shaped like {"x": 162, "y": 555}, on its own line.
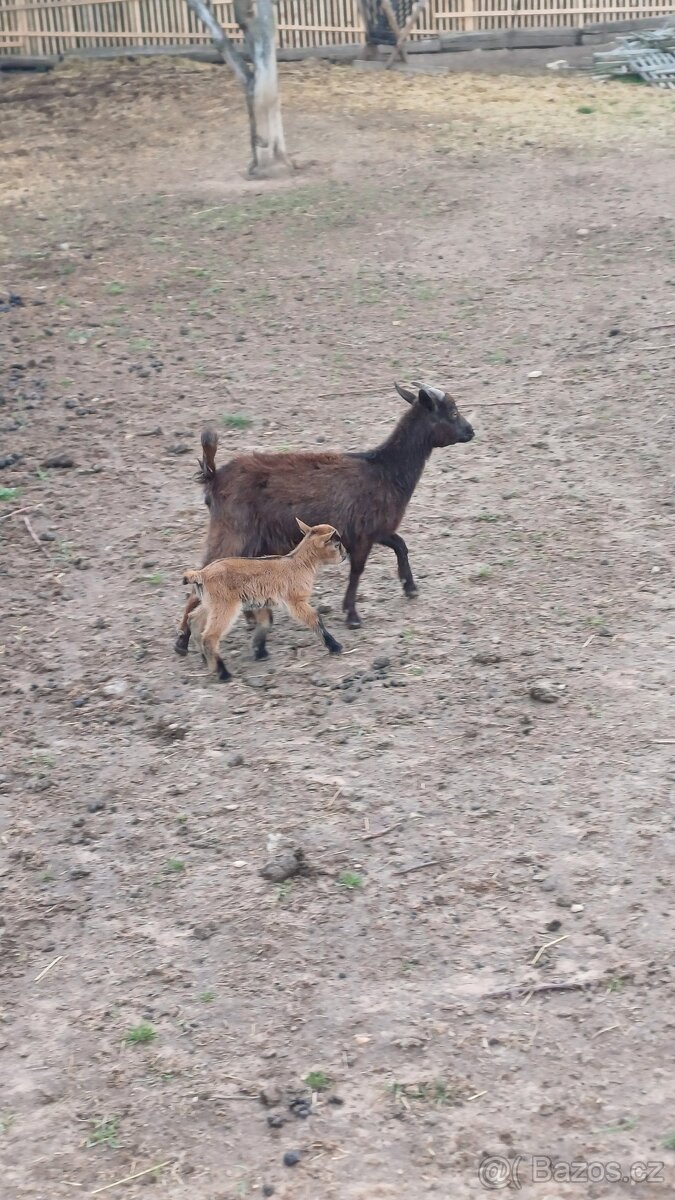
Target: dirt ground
{"x": 493, "y": 975}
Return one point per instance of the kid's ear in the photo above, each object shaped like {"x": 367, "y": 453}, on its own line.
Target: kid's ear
{"x": 305, "y": 528}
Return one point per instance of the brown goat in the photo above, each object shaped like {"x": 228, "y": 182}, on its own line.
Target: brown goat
{"x": 254, "y": 499}
{"x": 226, "y": 586}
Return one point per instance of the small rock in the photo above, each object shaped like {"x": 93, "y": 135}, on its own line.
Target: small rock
{"x": 203, "y": 932}
{"x": 173, "y": 731}
{"x": 268, "y": 1189}
{"x": 179, "y": 448}
{"x": 235, "y": 760}
{"x": 80, "y": 701}
{"x": 614, "y": 332}
{"x": 116, "y": 688}
{"x": 79, "y": 873}
{"x": 9, "y": 460}
{"x": 543, "y": 692}
{"x": 100, "y": 623}
{"x": 325, "y": 609}
{"x": 47, "y": 536}
{"x": 271, "y": 1095}
{"x": 381, "y": 663}
{"x": 336, "y": 1100}
{"x": 284, "y": 866}
{"x": 275, "y": 1121}
{"x": 576, "y": 908}
{"x": 301, "y": 1107}
{"x": 534, "y": 374}
{"x": 605, "y": 632}
{"x": 487, "y": 658}
{"x": 554, "y": 925}
{"x": 291, "y": 1158}
{"x": 61, "y": 462}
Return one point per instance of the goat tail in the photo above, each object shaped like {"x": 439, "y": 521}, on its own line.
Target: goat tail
{"x": 196, "y": 579}
{"x": 207, "y": 464}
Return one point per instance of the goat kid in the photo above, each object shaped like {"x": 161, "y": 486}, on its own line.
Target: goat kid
{"x": 227, "y": 586}
{"x": 254, "y": 499}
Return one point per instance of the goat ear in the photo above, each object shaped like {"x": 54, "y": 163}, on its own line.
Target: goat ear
{"x": 405, "y": 394}
{"x": 305, "y": 528}
{"x": 426, "y": 398}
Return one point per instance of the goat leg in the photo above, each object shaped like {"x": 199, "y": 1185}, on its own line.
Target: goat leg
{"x": 183, "y": 640}
{"x": 395, "y": 542}
{"x": 251, "y": 618}
{"x": 262, "y": 620}
{"x": 303, "y": 612}
{"x": 357, "y": 561}
{"x": 218, "y": 624}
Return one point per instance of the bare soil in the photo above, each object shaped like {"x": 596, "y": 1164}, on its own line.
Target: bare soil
{"x": 494, "y": 975}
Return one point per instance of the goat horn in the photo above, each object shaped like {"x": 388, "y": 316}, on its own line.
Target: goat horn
{"x": 435, "y": 393}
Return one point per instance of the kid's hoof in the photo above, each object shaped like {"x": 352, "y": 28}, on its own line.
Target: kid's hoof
{"x": 181, "y": 644}
{"x": 223, "y": 673}
{"x": 353, "y": 621}
{"x": 410, "y": 590}
{"x": 260, "y": 653}
{"x": 336, "y": 648}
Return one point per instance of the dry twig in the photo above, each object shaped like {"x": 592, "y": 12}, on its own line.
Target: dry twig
{"x": 130, "y": 1178}
{"x": 370, "y": 837}
{"x": 48, "y": 968}
{"x": 547, "y": 946}
{"x": 34, "y": 535}
{"x": 16, "y": 511}
{"x": 432, "y": 862}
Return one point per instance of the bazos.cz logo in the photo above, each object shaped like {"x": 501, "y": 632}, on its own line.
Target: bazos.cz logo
{"x": 496, "y": 1172}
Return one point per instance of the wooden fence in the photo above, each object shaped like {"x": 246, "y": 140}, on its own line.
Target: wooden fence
{"x": 48, "y": 27}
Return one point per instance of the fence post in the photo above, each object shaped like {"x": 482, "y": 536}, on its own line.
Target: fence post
{"x": 22, "y": 29}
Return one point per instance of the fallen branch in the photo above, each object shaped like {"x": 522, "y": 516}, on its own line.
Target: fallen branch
{"x": 518, "y": 990}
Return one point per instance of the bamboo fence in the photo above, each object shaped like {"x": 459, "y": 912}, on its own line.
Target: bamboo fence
{"x": 48, "y": 27}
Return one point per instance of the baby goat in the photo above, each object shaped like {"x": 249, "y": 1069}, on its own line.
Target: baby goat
{"x": 226, "y": 586}
{"x": 254, "y": 499}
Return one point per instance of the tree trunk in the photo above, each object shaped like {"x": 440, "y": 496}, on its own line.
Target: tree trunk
{"x": 264, "y": 108}
{"x": 258, "y": 77}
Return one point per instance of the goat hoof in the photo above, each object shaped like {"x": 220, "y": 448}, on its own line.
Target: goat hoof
{"x": 336, "y": 648}
{"x": 353, "y": 621}
{"x": 260, "y": 653}
{"x": 181, "y": 644}
{"x": 223, "y": 673}
{"x": 410, "y": 590}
